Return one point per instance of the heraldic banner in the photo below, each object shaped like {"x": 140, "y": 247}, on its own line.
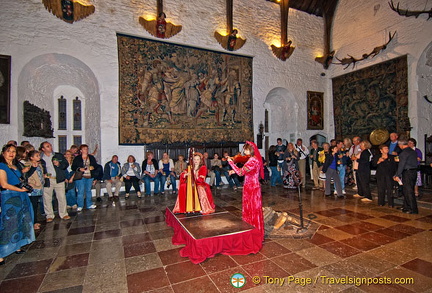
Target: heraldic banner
{"x": 178, "y": 94}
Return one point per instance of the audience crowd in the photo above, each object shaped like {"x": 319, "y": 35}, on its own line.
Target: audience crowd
{"x": 33, "y": 176}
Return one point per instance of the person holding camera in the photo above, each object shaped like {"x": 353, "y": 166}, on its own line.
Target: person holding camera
{"x": 36, "y": 179}
{"x": 292, "y": 176}
{"x": 15, "y": 231}
{"x": 84, "y": 166}
{"x": 55, "y": 164}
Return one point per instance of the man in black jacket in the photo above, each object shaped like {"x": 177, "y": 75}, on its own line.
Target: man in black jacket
{"x": 407, "y": 176}
{"x": 55, "y": 164}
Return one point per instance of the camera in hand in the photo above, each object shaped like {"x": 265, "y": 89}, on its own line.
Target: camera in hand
{"x": 25, "y": 185}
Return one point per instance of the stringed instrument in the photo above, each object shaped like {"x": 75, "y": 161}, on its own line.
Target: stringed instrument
{"x": 192, "y": 199}
{"x": 242, "y": 159}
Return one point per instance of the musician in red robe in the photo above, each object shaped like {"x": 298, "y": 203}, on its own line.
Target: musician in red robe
{"x": 252, "y": 199}
{"x": 194, "y": 193}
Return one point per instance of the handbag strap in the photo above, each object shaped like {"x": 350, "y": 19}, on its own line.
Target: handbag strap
{"x": 13, "y": 171}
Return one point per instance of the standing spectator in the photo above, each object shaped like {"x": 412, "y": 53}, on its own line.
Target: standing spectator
{"x": 71, "y": 195}
{"x": 74, "y": 150}
{"x": 394, "y": 148}
{"x": 330, "y": 169}
{"x": 363, "y": 172}
{"x": 353, "y": 152}
{"x": 84, "y": 164}
{"x": 112, "y": 176}
{"x": 412, "y": 143}
{"x": 343, "y": 160}
{"x": 316, "y": 165}
{"x": 291, "y": 178}
{"x": 386, "y": 166}
{"x": 150, "y": 169}
{"x": 349, "y": 174}
{"x": 36, "y": 179}
{"x": 55, "y": 164}
{"x": 321, "y": 158}
{"x": 12, "y": 142}
{"x": 275, "y": 176}
{"x": 15, "y": 231}
{"x": 131, "y": 173}
{"x": 406, "y": 175}
{"x": 303, "y": 153}
{"x": 166, "y": 166}
{"x": 280, "y": 150}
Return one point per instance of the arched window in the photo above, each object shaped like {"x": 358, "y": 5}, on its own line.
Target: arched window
{"x": 69, "y": 124}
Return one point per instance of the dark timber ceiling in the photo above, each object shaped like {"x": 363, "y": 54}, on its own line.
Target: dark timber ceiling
{"x": 315, "y": 7}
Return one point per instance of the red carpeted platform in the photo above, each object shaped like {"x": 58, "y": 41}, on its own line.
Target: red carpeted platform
{"x": 206, "y": 236}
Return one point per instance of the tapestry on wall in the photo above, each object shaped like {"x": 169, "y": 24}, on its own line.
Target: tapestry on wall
{"x": 372, "y": 98}
{"x": 171, "y": 93}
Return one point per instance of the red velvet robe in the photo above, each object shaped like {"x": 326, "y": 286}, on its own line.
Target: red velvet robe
{"x": 204, "y": 193}
{"x": 252, "y": 199}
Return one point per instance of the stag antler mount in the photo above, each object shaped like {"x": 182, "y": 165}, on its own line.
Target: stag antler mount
{"x": 408, "y": 13}
{"x": 352, "y": 60}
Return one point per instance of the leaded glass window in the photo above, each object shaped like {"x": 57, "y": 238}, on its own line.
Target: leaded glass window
{"x": 77, "y": 120}
{"x": 62, "y": 143}
{"x": 62, "y": 114}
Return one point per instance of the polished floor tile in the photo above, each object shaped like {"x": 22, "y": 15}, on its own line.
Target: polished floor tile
{"x": 127, "y": 247}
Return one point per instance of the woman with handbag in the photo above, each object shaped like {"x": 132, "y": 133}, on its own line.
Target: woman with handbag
{"x": 16, "y": 220}
{"x": 83, "y": 165}
{"x": 131, "y": 173}
{"x": 70, "y": 188}
{"x": 36, "y": 179}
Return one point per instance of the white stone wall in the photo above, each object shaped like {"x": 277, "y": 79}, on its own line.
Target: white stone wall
{"x": 359, "y": 26}
{"x": 29, "y": 31}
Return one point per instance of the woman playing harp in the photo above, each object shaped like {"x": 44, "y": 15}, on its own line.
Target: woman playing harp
{"x": 194, "y": 193}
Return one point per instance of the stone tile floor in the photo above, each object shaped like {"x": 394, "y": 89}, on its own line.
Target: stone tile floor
{"x": 126, "y": 247}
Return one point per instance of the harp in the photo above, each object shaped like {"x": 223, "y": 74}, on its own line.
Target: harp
{"x": 192, "y": 199}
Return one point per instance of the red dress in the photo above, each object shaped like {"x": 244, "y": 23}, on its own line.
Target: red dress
{"x": 252, "y": 199}
{"x": 203, "y": 189}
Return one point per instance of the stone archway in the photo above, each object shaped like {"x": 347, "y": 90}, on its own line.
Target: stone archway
{"x": 282, "y": 110}
{"x": 41, "y": 76}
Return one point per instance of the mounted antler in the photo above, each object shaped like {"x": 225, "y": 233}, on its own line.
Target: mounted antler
{"x": 378, "y": 49}
{"x": 348, "y": 61}
{"x": 352, "y": 60}
{"x": 408, "y": 13}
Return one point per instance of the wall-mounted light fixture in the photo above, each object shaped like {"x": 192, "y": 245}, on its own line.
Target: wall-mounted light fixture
{"x": 286, "y": 49}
